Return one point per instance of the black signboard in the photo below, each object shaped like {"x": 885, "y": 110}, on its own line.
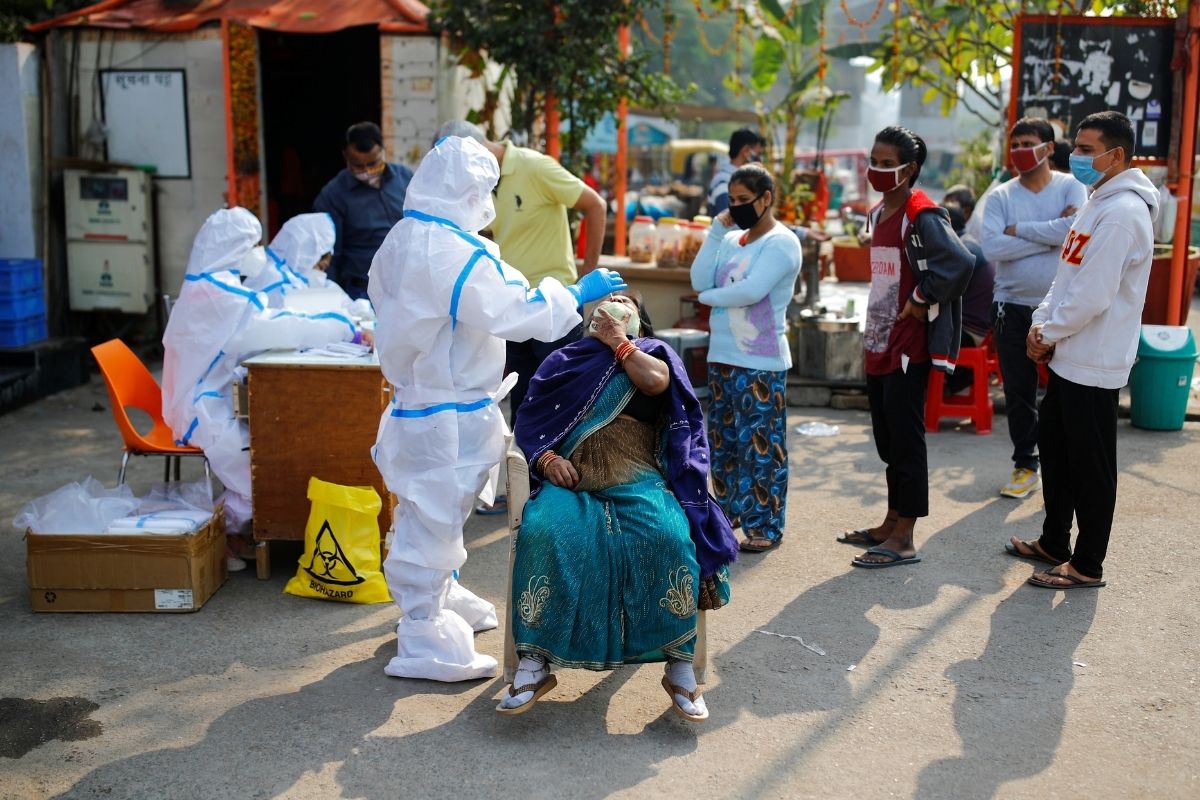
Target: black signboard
{"x": 1065, "y": 68}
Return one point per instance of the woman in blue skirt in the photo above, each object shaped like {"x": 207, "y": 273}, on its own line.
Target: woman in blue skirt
{"x": 747, "y": 271}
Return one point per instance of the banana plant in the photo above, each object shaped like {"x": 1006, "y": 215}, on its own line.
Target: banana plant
{"x": 783, "y": 81}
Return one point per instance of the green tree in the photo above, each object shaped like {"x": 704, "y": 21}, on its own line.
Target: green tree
{"x": 698, "y": 43}
{"x": 16, "y": 14}
{"x": 976, "y": 163}
{"x": 786, "y": 81}
{"x": 959, "y": 52}
{"x": 566, "y": 47}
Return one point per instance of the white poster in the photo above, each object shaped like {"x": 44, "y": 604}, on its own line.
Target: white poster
{"x": 145, "y": 112}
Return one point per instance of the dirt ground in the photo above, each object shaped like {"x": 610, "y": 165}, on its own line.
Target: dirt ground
{"x": 947, "y": 679}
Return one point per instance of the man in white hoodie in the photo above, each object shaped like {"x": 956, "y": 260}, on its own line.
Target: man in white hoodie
{"x": 1087, "y": 329}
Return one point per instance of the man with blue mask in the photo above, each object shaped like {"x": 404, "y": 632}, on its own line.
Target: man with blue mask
{"x": 364, "y": 201}
{"x": 215, "y": 324}
{"x": 446, "y": 302}
{"x": 1024, "y": 222}
{"x": 1086, "y": 330}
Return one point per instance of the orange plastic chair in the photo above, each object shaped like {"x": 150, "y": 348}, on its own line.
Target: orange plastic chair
{"x": 130, "y": 385}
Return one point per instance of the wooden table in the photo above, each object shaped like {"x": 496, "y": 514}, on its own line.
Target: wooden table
{"x": 310, "y": 416}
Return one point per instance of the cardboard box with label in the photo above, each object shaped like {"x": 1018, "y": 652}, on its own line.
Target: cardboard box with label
{"x": 111, "y": 572}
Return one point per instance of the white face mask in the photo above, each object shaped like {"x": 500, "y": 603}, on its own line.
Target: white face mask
{"x": 482, "y": 212}
{"x": 252, "y": 263}
{"x": 622, "y": 312}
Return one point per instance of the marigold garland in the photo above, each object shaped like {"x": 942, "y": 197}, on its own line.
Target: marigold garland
{"x": 861, "y": 25}
{"x": 243, "y": 80}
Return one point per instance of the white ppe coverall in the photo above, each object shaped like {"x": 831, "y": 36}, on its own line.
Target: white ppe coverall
{"x": 291, "y": 278}
{"x": 445, "y": 303}
{"x": 214, "y": 325}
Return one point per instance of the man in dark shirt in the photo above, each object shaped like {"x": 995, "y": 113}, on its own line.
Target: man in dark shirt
{"x": 365, "y": 200}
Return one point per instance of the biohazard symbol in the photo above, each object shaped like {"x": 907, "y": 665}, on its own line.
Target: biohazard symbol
{"x": 329, "y": 563}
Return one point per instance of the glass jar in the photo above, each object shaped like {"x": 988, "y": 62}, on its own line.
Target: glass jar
{"x": 670, "y": 241}
{"x": 692, "y": 243}
{"x": 643, "y": 240}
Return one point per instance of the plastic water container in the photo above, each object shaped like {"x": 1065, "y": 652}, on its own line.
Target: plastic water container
{"x": 1162, "y": 377}
{"x": 692, "y": 347}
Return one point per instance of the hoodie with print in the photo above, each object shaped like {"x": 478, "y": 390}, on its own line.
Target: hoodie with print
{"x": 1093, "y": 311}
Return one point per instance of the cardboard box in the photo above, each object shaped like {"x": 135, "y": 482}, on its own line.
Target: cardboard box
{"x": 109, "y": 572}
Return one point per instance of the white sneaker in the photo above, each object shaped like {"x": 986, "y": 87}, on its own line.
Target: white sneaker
{"x": 234, "y": 564}
{"x": 1024, "y": 482}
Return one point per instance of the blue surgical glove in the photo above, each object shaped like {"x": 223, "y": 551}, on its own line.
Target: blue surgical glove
{"x": 596, "y": 284}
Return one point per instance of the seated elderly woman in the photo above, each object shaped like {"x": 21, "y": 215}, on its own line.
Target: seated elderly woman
{"x": 620, "y": 542}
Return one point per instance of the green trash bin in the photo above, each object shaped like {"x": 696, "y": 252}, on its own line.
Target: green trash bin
{"x": 1162, "y": 377}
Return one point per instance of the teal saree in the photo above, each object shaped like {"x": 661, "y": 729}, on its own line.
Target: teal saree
{"x": 607, "y": 575}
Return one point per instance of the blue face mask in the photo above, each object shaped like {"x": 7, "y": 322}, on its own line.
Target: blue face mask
{"x": 1082, "y": 169}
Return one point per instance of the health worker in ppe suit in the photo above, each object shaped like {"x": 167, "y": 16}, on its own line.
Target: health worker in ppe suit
{"x": 446, "y": 303}
{"x": 296, "y": 260}
{"x": 214, "y": 325}
{"x": 295, "y": 278}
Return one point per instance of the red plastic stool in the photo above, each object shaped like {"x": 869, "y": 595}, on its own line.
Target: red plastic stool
{"x": 976, "y": 403}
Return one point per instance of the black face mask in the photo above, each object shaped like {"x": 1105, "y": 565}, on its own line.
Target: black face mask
{"x": 744, "y": 216}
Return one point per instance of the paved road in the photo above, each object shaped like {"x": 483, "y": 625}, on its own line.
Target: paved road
{"x": 949, "y": 679}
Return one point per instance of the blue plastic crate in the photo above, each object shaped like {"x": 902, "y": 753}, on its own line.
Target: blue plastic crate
{"x": 20, "y": 332}
{"x": 20, "y": 275}
{"x": 22, "y": 305}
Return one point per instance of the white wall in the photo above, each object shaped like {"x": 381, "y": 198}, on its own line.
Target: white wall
{"x": 458, "y": 92}
{"x": 183, "y": 204}
{"x": 20, "y": 152}
{"x": 422, "y": 87}
{"x": 409, "y": 81}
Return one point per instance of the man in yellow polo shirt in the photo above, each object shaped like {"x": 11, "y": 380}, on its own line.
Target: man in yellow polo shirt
{"x": 531, "y": 228}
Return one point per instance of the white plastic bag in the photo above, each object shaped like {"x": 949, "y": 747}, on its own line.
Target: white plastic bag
{"x": 85, "y": 507}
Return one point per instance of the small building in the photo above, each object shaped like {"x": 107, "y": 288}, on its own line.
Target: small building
{"x": 238, "y": 102}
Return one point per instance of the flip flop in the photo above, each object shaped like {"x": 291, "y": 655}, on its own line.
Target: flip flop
{"x": 498, "y": 506}
{"x": 897, "y": 559}
{"x": 673, "y": 690}
{"x": 1037, "y": 553}
{"x": 540, "y": 688}
{"x": 858, "y": 538}
{"x": 748, "y": 545}
{"x": 1075, "y": 583}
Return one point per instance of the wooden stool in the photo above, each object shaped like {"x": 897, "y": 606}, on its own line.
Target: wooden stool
{"x": 976, "y": 403}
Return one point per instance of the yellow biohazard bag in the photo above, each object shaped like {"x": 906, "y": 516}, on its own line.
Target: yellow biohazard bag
{"x": 341, "y": 546}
